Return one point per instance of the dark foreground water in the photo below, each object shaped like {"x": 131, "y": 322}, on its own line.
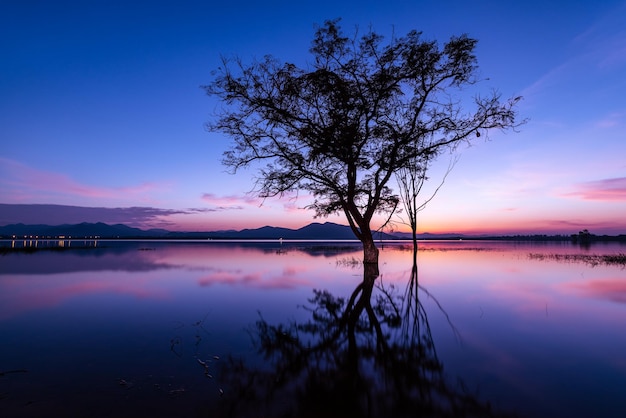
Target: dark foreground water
{"x": 211, "y": 329}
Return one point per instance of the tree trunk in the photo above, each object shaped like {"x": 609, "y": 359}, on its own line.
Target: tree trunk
{"x": 370, "y": 252}
{"x": 361, "y": 228}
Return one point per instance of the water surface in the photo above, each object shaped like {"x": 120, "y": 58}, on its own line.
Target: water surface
{"x": 195, "y": 328}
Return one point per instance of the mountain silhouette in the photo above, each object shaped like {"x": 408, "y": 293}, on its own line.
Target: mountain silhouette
{"x": 313, "y": 231}
{"x": 81, "y": 230}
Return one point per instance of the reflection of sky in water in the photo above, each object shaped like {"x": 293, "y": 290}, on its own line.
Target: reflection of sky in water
{"x": 126, "y": 323}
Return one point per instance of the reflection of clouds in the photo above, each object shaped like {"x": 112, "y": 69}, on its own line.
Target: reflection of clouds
{"x": 500, "y": 362}
{"x": 292, "y": 271}
{"x": 259, "y": 280}
{"x": 523, "y": 297}
{"x": 32, "y": 293}
{"x": 613, "y": 290}
{"x": 128, "y": 259}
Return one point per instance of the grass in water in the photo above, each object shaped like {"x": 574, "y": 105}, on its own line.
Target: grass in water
{"x": 590, "y": 259}
{"x": 348, "y": 262}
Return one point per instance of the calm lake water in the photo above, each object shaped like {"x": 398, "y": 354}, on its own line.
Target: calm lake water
{"x": 209, "y": 329}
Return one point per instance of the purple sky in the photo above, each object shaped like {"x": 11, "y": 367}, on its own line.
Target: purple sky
{"x": 101, "y": 111}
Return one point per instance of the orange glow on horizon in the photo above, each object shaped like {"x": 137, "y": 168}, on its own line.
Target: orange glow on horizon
{"x": 463, "y": 227}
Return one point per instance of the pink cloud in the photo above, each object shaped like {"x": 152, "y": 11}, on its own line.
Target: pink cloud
{"x": 21, "y": 183}
{"x": 613, "y": 190}
{"x": 291, "y": 202}
{"x": 292, "y": 207}
{"x": 295, "y": 202}
{"x": 231, "y": 201}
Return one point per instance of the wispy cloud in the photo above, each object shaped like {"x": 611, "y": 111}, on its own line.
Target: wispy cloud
{"x": 544, "y": 82}
{"x": 291, "y": 201}
{"x": 605, "y": 39}
{"x": 62, "y": 214}
{"x": 613, "y": 189}
{"x": 560, "y": 223}
{"x": 612, "y": 120}
{"x": 291, "y": 207}
{"x": 598, "y": 51}
{"x": 231, "y": 202}
{"x": 21, "y": 183}
{"x": 599, "y": 227}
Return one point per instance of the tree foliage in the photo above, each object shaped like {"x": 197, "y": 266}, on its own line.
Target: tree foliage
{"x": 341, "y": 126}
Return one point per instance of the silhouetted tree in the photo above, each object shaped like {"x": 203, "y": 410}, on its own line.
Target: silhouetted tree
{"x": 340, "y": 127}
{"x": 411, "y": 180}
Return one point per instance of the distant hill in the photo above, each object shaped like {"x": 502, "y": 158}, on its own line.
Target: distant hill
{"x": 81, "y": 230}
{"x": 427, "y": 235}
{"x": 314, "y": 231}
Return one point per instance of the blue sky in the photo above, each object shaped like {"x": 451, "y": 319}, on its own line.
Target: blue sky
{"x": 101, "y": 108}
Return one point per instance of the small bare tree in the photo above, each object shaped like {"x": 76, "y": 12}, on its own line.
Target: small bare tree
{"x": 411, "y": 180}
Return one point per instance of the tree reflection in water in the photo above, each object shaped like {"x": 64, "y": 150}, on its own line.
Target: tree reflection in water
{"x": 371, "y": 355}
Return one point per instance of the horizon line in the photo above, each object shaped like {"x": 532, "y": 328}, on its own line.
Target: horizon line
{"x": 483, "y": 234}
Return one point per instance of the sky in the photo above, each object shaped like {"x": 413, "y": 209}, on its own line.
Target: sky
{"x": 102, "y": 114}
